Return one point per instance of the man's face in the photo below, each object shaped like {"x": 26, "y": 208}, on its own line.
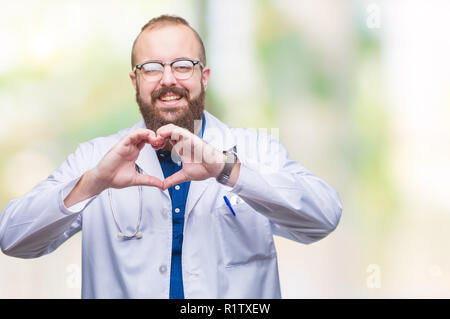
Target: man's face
{"x": 166, "y": 44}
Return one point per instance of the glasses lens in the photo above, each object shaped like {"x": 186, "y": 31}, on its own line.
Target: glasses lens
{"x": 183, "y": 69}
{"x": 152, "y": 71}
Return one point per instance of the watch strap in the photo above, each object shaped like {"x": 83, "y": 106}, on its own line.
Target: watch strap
{"x": 225, "y": 174}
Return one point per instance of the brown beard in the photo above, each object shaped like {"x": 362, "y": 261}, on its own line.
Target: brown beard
{"x": 153, "y": 117}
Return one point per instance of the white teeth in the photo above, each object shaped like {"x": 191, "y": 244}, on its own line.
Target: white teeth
{"x": 170, "y": 98}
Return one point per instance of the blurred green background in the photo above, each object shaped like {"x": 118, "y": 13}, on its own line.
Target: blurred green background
{"x": 359, "y": 91}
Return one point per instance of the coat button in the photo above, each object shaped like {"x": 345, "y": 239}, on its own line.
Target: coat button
{"x": 162, "y": 269}
{"x": 177, "y": 187}
{"x": 177, "y": 210}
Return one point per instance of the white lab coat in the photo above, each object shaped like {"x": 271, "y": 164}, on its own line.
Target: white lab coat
{"x": 223, "y": 256}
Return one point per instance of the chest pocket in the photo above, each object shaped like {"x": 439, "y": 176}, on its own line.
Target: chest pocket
{"x": 245, "y": 237}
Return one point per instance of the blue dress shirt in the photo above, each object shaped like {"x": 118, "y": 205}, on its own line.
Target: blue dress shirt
{"x": 178, "y": 195}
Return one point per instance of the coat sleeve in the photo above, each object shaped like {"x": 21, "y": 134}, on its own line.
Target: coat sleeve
{"x": 300, "y": 206}
{"x": 38, "y": 222}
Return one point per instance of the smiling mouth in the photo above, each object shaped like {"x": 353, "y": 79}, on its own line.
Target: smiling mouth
{"x": 170, "y": 99}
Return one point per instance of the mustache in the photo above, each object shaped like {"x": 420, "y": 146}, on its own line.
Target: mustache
{"x": 175, "y": 90}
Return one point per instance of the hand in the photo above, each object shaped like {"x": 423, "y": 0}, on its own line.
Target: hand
{"x": 200, "y": 160}
{"x": 117, "y": 167}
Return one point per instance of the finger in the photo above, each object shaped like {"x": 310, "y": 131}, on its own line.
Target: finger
{"x": 171, "y": 131}
{"x": 181, "y": 147}
{"x": 152, "y": 138}
{"x": 176, "y": 178}
{"x": 136, "y": 136}
{"x": 141, "y": 145}
{"x": 158, "y": 145}
{"x": 157, "y": 142}
{"x": 188, "y": 151}
{"x": 165, "y": 130}
{"x": 147, "y": 180}
{"x": 151, "y": 135}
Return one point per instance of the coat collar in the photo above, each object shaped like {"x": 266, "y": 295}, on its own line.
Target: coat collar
{"x": 216, "y": 133}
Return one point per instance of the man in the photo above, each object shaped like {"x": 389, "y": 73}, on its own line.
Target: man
{"x": 180, "y": 205}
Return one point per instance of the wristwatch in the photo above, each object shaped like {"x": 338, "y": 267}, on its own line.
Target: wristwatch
{"x": 224, "y": 176}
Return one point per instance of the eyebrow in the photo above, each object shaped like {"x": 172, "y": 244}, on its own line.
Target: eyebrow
{"x": 179, "y": 58}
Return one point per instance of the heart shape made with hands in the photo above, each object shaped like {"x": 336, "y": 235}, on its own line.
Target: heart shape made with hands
{"x": 184, "y": 142}
{"x": 117, "y": 168}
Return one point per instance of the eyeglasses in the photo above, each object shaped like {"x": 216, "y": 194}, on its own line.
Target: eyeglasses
{"x": 182, "y": 69}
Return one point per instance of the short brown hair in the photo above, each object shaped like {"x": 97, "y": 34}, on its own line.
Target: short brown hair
{"x": 164, "y": 20}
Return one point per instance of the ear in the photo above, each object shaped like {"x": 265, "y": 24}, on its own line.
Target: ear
{"x": 205, "y": 76}
{"x": 133, "y": 79}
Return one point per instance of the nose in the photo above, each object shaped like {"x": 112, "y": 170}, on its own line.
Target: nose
{"x": 168, "y": 79}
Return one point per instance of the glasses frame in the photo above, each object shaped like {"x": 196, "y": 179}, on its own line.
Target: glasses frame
{"x": 163, "y": 64}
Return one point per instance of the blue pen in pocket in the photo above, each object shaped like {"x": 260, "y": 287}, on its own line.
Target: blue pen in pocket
{"x": 229, "y": 205}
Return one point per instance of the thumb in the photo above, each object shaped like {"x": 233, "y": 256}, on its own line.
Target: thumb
{"x": 176, "y": 178}
{"x": 147, "y": 180}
